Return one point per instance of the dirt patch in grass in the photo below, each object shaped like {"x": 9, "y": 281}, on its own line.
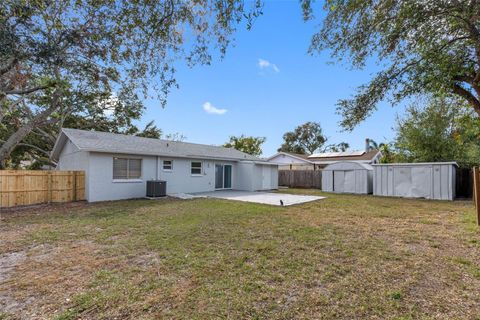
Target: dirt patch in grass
{"x": 345, "y": 257}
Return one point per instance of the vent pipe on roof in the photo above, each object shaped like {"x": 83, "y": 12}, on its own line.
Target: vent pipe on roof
{"x": 367, "y": 145}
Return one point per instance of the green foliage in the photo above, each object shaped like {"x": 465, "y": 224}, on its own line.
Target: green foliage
{"x": 389, "y": 154}
{"x": 422, "y": 47}
{"x": 308, "y": 138}
{"x": 89, "y": 63}
{"x": 342, "y": 146}
{"x": 444, "y": 130}
{"x": 150, "y": 131}
{"x": 250, "y": 145}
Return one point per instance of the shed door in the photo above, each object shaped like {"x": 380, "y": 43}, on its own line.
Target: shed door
{"x": 349, "y": 181}
{"x": 266, "y": 177}
{"x": 338, "y": 181}
{"x": 421, "y": 182}
{"x": 402, "y": 181}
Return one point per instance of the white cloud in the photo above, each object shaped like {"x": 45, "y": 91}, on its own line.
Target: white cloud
{"x": 209, "y": 108}
{"x": 265, "y": 64}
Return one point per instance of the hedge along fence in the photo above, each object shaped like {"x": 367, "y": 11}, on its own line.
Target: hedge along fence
{"x": 300, "y": 178}
{"x": 28, "y": 187}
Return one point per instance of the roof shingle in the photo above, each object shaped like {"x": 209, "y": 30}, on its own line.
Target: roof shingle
{"x": 125, "y": 144}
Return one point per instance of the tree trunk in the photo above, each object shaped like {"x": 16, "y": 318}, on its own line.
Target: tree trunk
{"x": 9, "y": 145}
{"x": 472, "y": 100}
{"x": 12, "y": 142}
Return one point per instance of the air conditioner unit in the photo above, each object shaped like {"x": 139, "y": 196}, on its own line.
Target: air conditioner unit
{"x": 156, "y": 188}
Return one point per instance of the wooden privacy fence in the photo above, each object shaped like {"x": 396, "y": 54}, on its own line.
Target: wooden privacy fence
{"x": 476, "y": 192}
{"x": 300, "y": 178}
{"x": 28, "y": 187}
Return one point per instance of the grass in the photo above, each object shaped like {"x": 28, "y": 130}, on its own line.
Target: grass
{"x": 343, "y": 257}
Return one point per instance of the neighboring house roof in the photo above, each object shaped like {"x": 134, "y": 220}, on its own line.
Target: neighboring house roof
{"x": 298, "y": 155}
{"x": 124, "y": 144}
{"x": 331, "y": 157}
{"x": 359, "y": 156}
{"x": 302, "y": 158}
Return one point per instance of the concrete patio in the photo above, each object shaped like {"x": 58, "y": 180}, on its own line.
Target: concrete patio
{"x": 259, "y": 197}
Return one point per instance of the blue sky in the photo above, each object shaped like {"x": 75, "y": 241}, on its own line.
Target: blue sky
{"x": 270, "y": 97}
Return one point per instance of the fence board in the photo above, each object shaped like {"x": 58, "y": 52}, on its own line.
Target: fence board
{"x": 476, "y": 192}
{"x": 300, "y": 178}
{"x": 28, "y": 187}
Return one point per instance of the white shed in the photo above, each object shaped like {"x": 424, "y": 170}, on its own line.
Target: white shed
{"x": 347, "y": 177}
{"x": 433, "y": 180}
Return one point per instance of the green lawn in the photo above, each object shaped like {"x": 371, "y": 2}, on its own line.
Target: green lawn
{"x": 343, "y": 257}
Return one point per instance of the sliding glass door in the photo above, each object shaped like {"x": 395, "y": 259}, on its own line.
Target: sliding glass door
{"x": 227, "y": 176}
{"x": 223, "y": 176}
{"x": 218, "y": 176}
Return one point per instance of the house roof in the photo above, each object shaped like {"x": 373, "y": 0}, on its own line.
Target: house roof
{"x": 302, "y": 157}
{"x": 352, "y": 156}
{"x": 331, "y": 157}
{"x": 298, "y": 155}
{"x": 124, "y": 144}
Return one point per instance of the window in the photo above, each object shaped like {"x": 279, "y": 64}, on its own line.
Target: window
{"x": 196, "y": 168}
{"x": 127, "y": 168}
{"x": 167, "y": 165}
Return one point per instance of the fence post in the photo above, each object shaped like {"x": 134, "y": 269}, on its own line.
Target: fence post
{"x": 74, "y": 196}
{"x": 49, "y": 187}
{"x": 476, "y": 192}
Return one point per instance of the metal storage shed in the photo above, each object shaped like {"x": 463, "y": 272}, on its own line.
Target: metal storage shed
{"x": 433, "y": 180}
{"x": 347, "y": 177}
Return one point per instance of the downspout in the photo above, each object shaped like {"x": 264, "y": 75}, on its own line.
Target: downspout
{"x": 156, "y": 169}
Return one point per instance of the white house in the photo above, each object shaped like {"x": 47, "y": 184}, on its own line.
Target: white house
{"x": 370, "y": 156}
{"x": 293, "y": 161}
{"x": 117, "y": 166}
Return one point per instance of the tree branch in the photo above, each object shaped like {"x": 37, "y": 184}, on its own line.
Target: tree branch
{"x": 474, "y": 102}
{"x": 27, "y": 91}
{"x": 9, "y": 66}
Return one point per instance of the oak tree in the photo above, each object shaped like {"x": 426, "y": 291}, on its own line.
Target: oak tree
{"x": 76, "y": 57}
{"x": 250, "y": 145}
{"x": 422, "y": 47}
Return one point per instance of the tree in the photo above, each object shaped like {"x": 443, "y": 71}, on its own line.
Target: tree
{"x": 150, "y": 131}
{"x": 306, "y": 138}
{"x": 430, "y": 46}
{"x": 441, "y": 131}
{"x": 36, "y": 146}
{"x": 341, "y": 147}
{"x": 63, "y": 58}
{"x": 250, "y": 145}
{"x": 389, "y": 154}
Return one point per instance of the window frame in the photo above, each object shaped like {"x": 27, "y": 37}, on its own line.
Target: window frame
{"x": 128, "y": 178}
{"x": 171, "y": 165}
{"x": 192, "y": 168}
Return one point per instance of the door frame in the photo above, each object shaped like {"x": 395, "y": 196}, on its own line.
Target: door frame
{"x": 223, "y": 176}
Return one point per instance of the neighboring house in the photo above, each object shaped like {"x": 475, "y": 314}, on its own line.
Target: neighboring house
{"x": 365, "y": 157}
{"x": 117, "y": 166}
{"x": 293, "y": 161}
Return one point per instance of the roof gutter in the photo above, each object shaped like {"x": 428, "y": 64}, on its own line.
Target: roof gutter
{"x": 153, "y": 154}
